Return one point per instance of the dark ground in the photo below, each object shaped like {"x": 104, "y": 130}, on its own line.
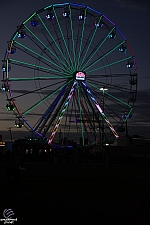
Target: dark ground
{"x": 70, "y": 194}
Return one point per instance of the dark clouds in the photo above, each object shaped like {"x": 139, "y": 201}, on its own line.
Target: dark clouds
{"x": 140, "y": 121}
{"x": 135, "y": 5}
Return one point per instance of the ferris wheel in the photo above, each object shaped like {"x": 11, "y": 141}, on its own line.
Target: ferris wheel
{"x": 69, "y": 74}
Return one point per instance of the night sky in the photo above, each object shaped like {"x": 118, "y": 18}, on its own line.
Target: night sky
{"x": 131, "y": 16}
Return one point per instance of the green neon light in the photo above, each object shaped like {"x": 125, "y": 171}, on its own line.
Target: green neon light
{"x": 72, "y": 36}
{"x": 79, "y": 55}
{"x": 38, "y": 54}
{"x": 37, "y": 78}
{"x": 81, "y": 123}
{"x": 62, "y": 36}
{"x": 48, "y": 7}
{"x": 72, "y": 70}
{"x": 110, "y": 64}
{"x": 29, "y": 18}
{"x": 15, "y": 36}
{"x": 45, "y": 47}
{"x": 107, "y": 53}
{"x": 106, "y": 93}
{"x": 98, "y": 47}
{"x": 42, "y": 100}
{"x": 127, "y": 116}
{"x": 54, "y": 42}
{"x": 39, "y": 67}
{"x": 90, "y": 43}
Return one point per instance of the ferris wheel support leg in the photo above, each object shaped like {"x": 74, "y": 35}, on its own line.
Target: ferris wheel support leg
{"x": 61, "y": 114}
{"x": 49, "y": 111}
{"x": 84, "y": 110}
{"x": 101, "y": 111}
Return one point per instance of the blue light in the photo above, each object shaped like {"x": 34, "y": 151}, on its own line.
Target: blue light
{"x": 126, "y": 116}
{"x": 98, "y": 23}
{"x": 12, "y": 50}
{"x": 34, "y": 23}
{"x": 122, "y": 48}
{"x": 4, "y": 68}
{"x": 112, "y": 35}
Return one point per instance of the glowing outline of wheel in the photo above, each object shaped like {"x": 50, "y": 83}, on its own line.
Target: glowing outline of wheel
{"x": 85, "y": 55}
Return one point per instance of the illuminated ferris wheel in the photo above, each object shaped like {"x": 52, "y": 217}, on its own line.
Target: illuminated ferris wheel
{"x": 69, "y": 73}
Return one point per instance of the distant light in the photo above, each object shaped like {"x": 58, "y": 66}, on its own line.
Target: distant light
{"x": 103, "y": 89}
{"x": 69, "y": 146}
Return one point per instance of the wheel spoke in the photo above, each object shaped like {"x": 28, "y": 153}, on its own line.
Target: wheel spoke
{"x": 39, "y": 55}
{"x": 63, "y": 36}
{"x": 98, "y": 47}
{"x": 29, "y": 65}
{"x": 111, "y": 96}
{"x": 37, "y": 78}
{"x": 110, "y": 64}
{"x": 44, "y": 46}
{"x": 103, "y": 56}
{"x": 54, "y": 42}
{"x": 101, "y": 111}
{"x": 44, "y": 99}
{"x": 89, "y": 45}
{"x": 81, "y": 40}
{"x": 72, "y": 32}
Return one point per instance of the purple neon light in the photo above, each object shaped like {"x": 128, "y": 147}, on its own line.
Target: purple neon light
{"x": 61, "y": 114}
{"x": 101, "y": 111}
{"x": 108, "y": 19}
